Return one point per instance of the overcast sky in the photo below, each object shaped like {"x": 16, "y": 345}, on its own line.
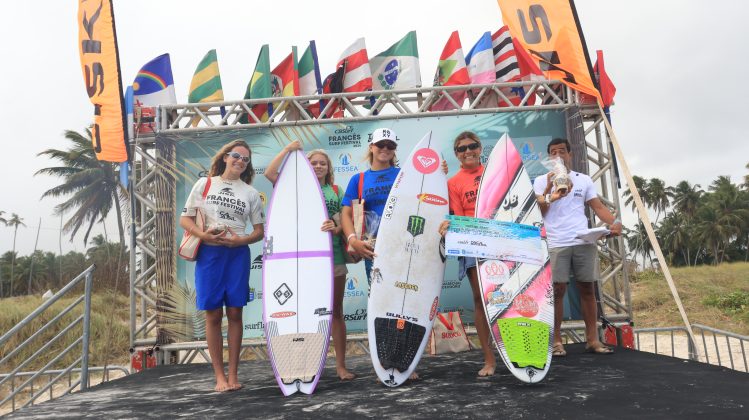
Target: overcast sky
{"x": 679, "y": 68}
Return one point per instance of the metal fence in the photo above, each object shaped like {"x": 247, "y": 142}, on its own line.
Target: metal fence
{"x": 26, "y": 387}
{"x": 718, "y": 347}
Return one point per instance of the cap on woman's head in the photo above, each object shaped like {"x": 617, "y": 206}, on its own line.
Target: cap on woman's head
{"x": 382, "y": 134}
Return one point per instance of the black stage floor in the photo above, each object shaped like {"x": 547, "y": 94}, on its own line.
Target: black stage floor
{"x": 627, "y": 384}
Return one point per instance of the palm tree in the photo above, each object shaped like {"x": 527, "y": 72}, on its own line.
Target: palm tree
{"x": 92, "y": 184}
{"x": 638, "y": 242}
{"x": 641, "y": 185}
{"x": 713, "y": 231}
{"x": 676, "y": 234}
{"x": 746, "y": 178}
{"x": 14, "y": 221}
{"x": 2, "y": 219}
{"x": 659, "y": 196}
{"x": 686, "y": 198}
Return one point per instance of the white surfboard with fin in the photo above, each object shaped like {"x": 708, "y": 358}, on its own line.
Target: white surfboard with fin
{"x": 408, "y": 270}
{"x": 297, "y": 278}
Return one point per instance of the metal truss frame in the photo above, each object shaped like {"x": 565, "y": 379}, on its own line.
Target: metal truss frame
{"x": 153, "y": 170}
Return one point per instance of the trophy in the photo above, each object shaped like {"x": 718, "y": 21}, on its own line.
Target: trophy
{"x": 561, "y": 179}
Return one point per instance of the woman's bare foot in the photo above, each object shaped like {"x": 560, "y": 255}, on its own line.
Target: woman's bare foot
{"x": 222, "y": 385}
{"x": 414, "y": 377}
{"x": 487, "y": 370}
{"x": 344, "y": 374}
{"x": 235, "y": 386}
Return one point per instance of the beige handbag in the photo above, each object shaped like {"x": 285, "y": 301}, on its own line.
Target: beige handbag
{"x": 188, "y": 247}
{"x": 357, "y": 208}
{"x": 448, "y": 334}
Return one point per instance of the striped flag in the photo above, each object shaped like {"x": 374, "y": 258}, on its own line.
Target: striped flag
{"x": 154, "y": 84}
{"x": 358, "y": 76}
{"x": 505, "y": 61}
{"x": 480, "y": 61}
{"x": 398, "y": 66}
{"x": 259, "y": 86}
{"x": 206, "y": 81}
{"x": 310, "y": 82}
{"x": 451, "y": 71}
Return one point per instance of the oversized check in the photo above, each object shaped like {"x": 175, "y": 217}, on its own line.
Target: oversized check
{"x": 492, "y": 239}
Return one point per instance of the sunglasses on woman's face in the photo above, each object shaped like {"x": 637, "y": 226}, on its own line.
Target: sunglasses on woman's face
{"x": 236, "y": 155}
{"x": 472, "y": 146}
{"x": 386, "y": 144}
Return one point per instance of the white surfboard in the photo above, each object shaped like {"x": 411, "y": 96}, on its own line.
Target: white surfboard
{"x": 410, "y": 264}
{"x": 297, "y": 278}
{"x": 518, "y": 297}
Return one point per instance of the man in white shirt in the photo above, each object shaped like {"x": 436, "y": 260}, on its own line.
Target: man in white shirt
{"x": 563, "y": 211}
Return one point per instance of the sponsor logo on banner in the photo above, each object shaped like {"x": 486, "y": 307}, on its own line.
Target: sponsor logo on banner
{"x": 257, "y": 263}
{"x": 345, "y": 164}
{"x": 351, "y": 288}
{"x": 406, "y": 286}
{"x": 254, "y": 326}
{"x": 525, "y": 305}
{"x": 494, "y": 272}
{"x": 432, "y": 199}
{"x": 433, "y": 310}
{"x": 528, "y": 153}
{"x": 282, "y": 294}
{"x": 358, "y": 315}
{"x": 389, "y": 207}
{"x": 282, "y": 314}
{"x": 426, "y": 160}
{"x": 345, "y": 137}
{"x": 451, "y": 284}
{"x": 415, "y": 225}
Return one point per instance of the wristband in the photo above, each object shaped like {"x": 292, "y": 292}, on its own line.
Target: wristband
{"x": 547, "y": 198}
{"x": 348, "y": 238}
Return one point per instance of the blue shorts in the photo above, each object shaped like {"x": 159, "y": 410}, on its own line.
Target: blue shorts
{"x": 464, "y": 263}
{"x": 222, "y": 277}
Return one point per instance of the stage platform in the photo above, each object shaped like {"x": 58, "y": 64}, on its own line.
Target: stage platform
{"x": 627, "y": 384}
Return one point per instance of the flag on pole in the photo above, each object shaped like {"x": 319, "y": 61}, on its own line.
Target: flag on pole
{"x": 309, "y": 72}
{"x": 451, "y": 71}
{"x": 398, "y": 66}
{"x": 511, "y": 64}
{"x": 505, "y": 62}
{"x": 480, "y": 61}
{"x": 259, "y": 86}
{"x": 206, "y": 81}
{"x": 154, "y": 84}
{"x": 608, "y": 90}
{"x": 333, "y": 84}
{"x": 284, "y": 79}
{"x": 357, "y": 76}
{"x": 100, "y": 64}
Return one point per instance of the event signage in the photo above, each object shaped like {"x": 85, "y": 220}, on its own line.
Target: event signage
{"x": 97, "y": 43}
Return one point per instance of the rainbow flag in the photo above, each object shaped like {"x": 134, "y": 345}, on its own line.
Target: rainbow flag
{"x": 154, "y": 84}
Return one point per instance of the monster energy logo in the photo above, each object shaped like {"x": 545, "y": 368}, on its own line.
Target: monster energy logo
{"x": 415, "y": 225}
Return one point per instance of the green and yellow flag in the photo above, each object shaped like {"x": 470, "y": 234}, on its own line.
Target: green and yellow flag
{"x": 259, "y": 86}
{"x": 206, "y": 82}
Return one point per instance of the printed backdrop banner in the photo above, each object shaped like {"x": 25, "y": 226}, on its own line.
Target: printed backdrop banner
{"x": 347, "y": 145}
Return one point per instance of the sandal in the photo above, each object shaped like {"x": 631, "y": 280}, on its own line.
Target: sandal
{"x": 598, "y": 348}
{"x": 558, "y": 350}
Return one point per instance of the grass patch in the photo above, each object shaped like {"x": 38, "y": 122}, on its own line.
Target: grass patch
{"x": 109, "y": 338}
{"x": 716, "y": 296}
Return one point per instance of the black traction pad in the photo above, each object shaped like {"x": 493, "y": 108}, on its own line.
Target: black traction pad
{"x": 397, "y": 347}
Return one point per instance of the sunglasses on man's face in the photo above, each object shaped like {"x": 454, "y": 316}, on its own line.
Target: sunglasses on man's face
{"x": 236, "y": 155}
{"x": 389, "y": 145}
{"x": 472, "y": 146}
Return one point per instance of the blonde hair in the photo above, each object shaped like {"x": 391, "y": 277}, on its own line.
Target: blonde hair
{"x": 329, "y": 177}
{"x": 218, "y": 166}
{"x": 370, "y": 157}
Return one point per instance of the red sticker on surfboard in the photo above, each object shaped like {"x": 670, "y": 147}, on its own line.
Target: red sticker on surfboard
{"x": 426, "y": 161}
{"x": 526, "y": 306}
{"x": 432, "y": 199}
{"x": 433, "y": 311}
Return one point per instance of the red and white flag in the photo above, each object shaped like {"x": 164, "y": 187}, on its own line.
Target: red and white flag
{"x": 451, "y": 71}
{"x": 358, "y": 76}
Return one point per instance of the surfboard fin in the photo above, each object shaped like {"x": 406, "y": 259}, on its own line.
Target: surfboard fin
{"x": 526, "y": 341}
{"x": 398, "y": 341}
